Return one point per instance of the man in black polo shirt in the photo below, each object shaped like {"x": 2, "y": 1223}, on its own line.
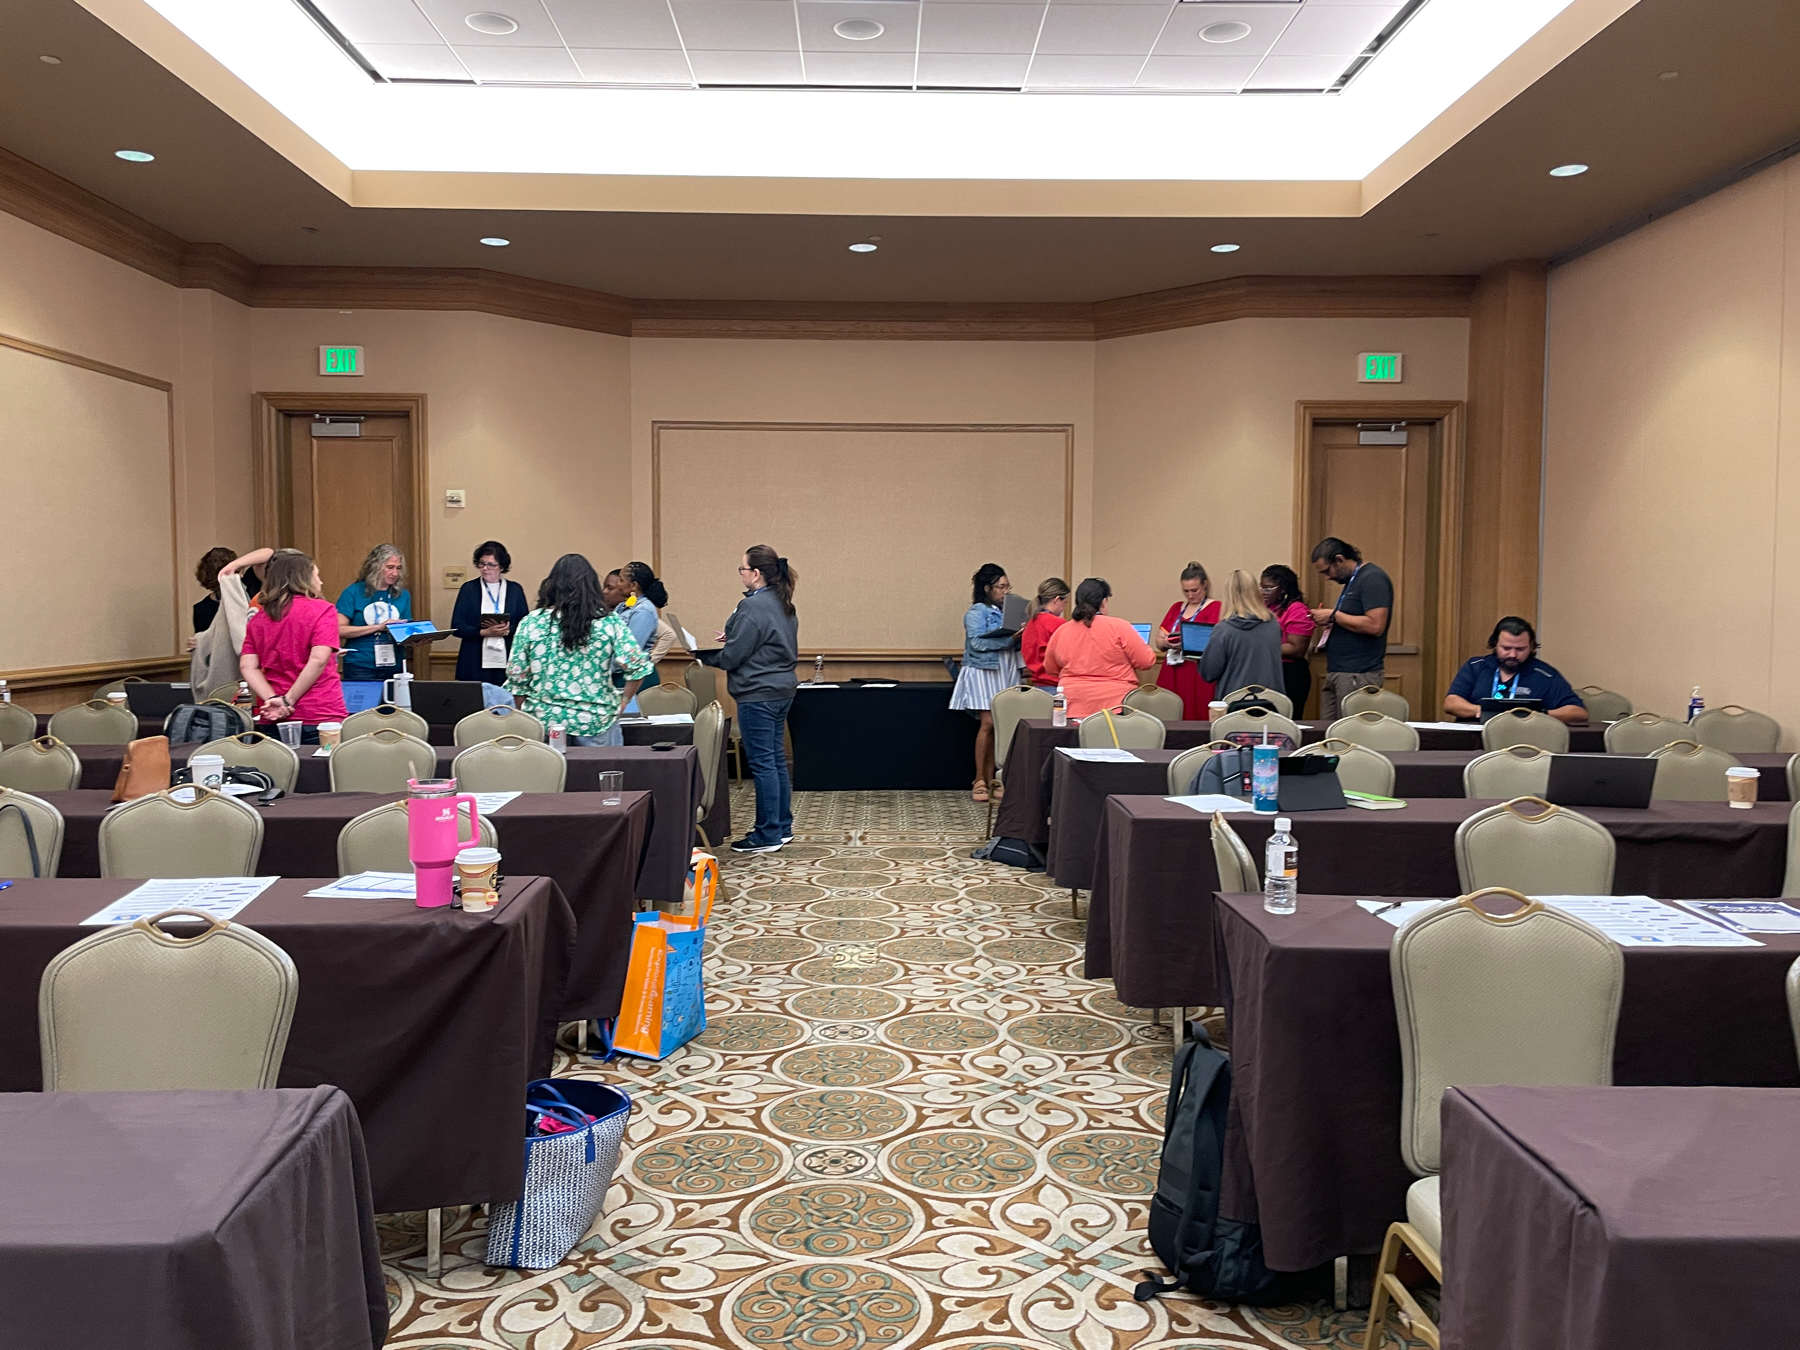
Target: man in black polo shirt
{"x": 1353, "y": 632}
{"x": 1511, "y": 669}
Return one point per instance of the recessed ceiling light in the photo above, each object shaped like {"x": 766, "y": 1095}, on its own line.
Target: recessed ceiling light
{"x": 135, "y": 156}
{"x": 495, "y": 241}
{"x": 858, "y": 30}
{"x": 1226, "y": 248}
{"x": 51, "y": 60}
{"x": 1568, "y": 170}
{"x": 1229, "y": 31}
{"x": 1670, "y": 75}
{"x": 496, "y": 25}
{"x": 862, "y": 248}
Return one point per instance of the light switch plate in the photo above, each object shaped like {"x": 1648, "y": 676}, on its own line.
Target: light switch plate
{"x": 453, "y": 497}
{"x": 454, "y": 577}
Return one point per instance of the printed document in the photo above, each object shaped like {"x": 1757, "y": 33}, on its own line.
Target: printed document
{"x": 221, "y": 897}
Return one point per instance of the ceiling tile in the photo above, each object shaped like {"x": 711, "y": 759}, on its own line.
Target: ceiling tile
{"x": 519, "y": 63}
{"x": 1099, "y": 30}
{"x": 1082, "y": 72}
{"x": 717, "y": 67}
{"x": 738, "y": 25}
{"x": 1181, "y": 37}
{"x": 632, "y": 67}
{"x": 384, "y": 21}
{"x": 965, "y": 70}
{"x": 414, "y": 62}
{"x": 1334, "y": 30}
{"x": 642, "y": 24}
{"x": 899, "y": 22}
{"x": 535, "y": 28}
{"x": 1225, "y": 74}
{"x": 953, "y": 27}
{"x": 886, "y": 69}
{"x": 1298, "y": 72}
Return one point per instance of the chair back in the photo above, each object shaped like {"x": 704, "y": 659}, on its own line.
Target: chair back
{"x": 662, "y": 700}
{"x": 1256, "y": 720}
{"x": 1376, "y": 730}
{"x": 17, "y": 725}
{"x": 1528, "y": 998}
{"x": 1525, "y": 726}
{"x": 382, "y": 761}
{"x": 1603, "y": 705}
{"x": 709, "y": 737}
{"x": 1125, "y": 728}
{"x": 95, "y": 722}
{"x": 1235, "y": 864}
{"x": 509, "y": 764}
{"x": 1735, "y": 728}
{"x": 385, "y": 716}
{"x": 1184, "y": 769}
{"x": 1373, "y": 698}
{"x": 1283, "y": 704}
{"x": 490, "y": 724}
{"x": 703, "y": 681}
{"x": 1162, "y": 704}
{"x": 1793, "y": 778}
{"x": 135, "y": 1007}
{"x": 1517, "y": 771}
{"x": 1359, "y": 769}
{"x": 1012, "y": 706}
{"x": 183, "y": 832}
{"x": 376, "y": 840}
{"x": 254, "y": 750}
{"x": 1550, "y": 851}
{"x": 43, "y": 765}
{"x": 1640, "y": 733}
{"x": 222, "y": 693}
{"x": 17, "y": 847}
{"x": 1687, "y": 772}
{"x": 1790, "y": 882}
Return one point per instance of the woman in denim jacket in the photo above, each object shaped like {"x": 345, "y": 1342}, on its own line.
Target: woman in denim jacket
{"x": 990, "y": 663}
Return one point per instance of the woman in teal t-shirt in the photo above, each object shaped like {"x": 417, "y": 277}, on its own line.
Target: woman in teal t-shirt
{"x": 365, "y": 609}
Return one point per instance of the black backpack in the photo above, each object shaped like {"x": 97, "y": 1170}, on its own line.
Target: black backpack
{"x": 1214, "y": 1257}
{"x": 204, "y": 722}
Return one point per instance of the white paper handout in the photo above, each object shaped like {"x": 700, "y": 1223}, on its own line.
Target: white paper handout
{"x": 670, "y": 719}
{"x": 1748, "y": 916}
{"x": 1400, "y": 912}
{"x": 221, "y": 897}
{"x": 1447, "y": 726}
{"x": 488, "y": 803}
{"x": 372, "y": 886}
{"x": 1639, "y": 921}
{"x": 1100, "y": 755}
{"x": 1210, "y": 802}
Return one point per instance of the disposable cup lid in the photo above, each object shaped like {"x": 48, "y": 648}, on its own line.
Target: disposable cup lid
{"x": 1742, "y": 771}
{"x": 205, "y": 759}
{"x": 331, "y": 726}
{"x": 477, "y": 857}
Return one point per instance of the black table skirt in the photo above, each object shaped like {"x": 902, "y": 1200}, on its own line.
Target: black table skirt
{"x": 854, "y": 737}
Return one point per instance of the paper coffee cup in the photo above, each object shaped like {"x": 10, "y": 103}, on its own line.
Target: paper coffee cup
{"x": 116, "y": 698}
{"x": 477, "y": 872}
{"x": 208, "y": 771}
{"x": 1215, "y": 710}
{"x": 329, "y": 733}
{"x": 1740, "y": 786}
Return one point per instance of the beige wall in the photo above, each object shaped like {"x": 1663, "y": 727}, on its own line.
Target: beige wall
{"x": 1672, "y": 491}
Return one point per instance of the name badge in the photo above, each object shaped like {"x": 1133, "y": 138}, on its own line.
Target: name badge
{"x": 384, "y": 653}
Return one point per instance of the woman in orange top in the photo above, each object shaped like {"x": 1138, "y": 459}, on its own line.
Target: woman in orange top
{"x": 1052, "y": 600}
{"x": 1095, "y": 658}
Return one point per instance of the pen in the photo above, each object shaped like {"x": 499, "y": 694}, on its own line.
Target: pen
{"x": 4, "y": 885}
{"x": 1385, "y": 908}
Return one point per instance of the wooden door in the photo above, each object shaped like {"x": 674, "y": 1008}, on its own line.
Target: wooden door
{"x": 342, "y": 495}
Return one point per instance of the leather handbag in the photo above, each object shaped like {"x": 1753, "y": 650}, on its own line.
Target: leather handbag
{"x": 145, "y": 770}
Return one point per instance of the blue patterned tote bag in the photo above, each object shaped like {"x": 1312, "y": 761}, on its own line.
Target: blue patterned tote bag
{"x": 575, "y": 1128}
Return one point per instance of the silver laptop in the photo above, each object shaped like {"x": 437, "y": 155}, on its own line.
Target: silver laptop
{"x": 1014, "y": 611}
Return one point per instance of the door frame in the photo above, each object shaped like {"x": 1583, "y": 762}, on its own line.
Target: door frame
{"x": 1447, "y": 418}
{"x": 268, "y": 413}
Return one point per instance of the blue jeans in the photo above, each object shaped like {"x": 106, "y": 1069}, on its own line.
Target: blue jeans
{"x": 613, "y": 735}
{"x": 761, "y": 725}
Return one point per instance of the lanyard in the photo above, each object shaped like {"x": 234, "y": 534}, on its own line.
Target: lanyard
{"x": 498, "y": 607}
{"x": 1507, "y": 685}
{"x": 1329, "y": 625}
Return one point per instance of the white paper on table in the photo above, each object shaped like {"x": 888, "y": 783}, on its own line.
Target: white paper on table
{"x": 1447, "y": 726}
{"x": 221, "y": 897}
{"x": 1402, "y": 913}
{"x": 805, "y": 685}
{"x": 489, "y": 802}
{"x": 1639, "y": 921}
{"x": 1748, "y": 916}
{"x": 1100, "y": 755}
{"x": 882, "y": 684}
{"x": 670, "y": 719}
{"x": 1210, "y": 802}
{"x": 372, "y": 886}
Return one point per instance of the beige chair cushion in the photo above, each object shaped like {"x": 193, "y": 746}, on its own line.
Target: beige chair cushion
{"x": 1603, "y": 705}
{"x": 1525, "y": 726}
{"x": 1184, "y": 769}
{"x": 1163, "y": 704}
{"x": 43, "y": 765}
{"x": 663, "y": 700}
{"x": 1010, "y": 707}
{"x": 184, "y": 832}
{"x": 492, "y": 723}
{"x": 1517, "y": 771}
{"x": 382, "y": 761}
{"x": 1370, "y": 698}
{"x": 1283, "y": 704}
{"x": 17, "y": 725}
{"x": 1126, "y": 729}
{"x": 15, "y": 844}
{"x": 1686, "y": 772}
{"x": 1425, "y": 1213}
{"x": 1735, "y": 728}
{"x": 94, "y": 723}
{"x": 376, "y": 840}
{"x": 385, "y": 717}
{"x": 1376, "y": 730}
{"x": 510, "y": 764}
{"x": 254, "y": 750}
{"x": 1256, "y": 720}
{"x": 1640, "y": 733}
{"x": 1236, "y": 865}
{"x": 1555, "y": 851}
{"x": 1359, "y": 769}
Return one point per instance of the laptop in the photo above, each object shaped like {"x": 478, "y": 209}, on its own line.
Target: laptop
{"x": 1014, "y": 611}
{"x": 1492, "y": 707}
{"x": 446, "y": 702}
{"x": 1194, "y": 637}
{"x": 1143, "y": 630}
{"x": 361, "y": 695}
{"x": 1309, "y": 783}
{"x": 159, "y": 700}
{"x": 1601, "y": 780}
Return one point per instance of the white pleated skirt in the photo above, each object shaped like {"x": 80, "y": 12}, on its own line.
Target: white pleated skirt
{"x": 975, "y": 689}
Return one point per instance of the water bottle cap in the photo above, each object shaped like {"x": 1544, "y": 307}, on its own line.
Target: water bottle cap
{"x": 1283, "y": 823}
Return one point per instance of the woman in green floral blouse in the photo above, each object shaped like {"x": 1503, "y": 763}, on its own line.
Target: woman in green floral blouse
{"x": 565, "y": 653}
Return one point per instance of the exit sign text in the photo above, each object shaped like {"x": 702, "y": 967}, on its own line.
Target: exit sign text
{"x": 1378, "y": 368}
{"x": 340, "y": 360}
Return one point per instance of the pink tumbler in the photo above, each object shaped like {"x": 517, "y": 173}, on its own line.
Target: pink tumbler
{"x": 432, "y": 836}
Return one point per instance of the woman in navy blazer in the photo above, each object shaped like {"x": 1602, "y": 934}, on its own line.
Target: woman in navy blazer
{"x": 488, "y": 610}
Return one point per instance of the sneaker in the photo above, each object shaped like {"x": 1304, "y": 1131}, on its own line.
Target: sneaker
{"x": 745, "y": 845}
{"x": 787, "y": 838}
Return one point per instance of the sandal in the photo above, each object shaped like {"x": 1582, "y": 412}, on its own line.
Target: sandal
{"x": 979, "y": 793}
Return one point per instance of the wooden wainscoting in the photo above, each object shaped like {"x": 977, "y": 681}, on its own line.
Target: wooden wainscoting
{"x": 54, "y": 688}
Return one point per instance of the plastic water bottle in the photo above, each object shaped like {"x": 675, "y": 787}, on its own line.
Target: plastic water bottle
{"x": 1265, "y": 779}
{"x": 1696, "y": 704}
{"x": 1281, "y": 869}
{"x": 5, "y": 693}
{"x": 819, "y": 668}
{"x": 1059, "y": 709}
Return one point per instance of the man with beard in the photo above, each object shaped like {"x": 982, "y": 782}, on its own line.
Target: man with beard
{"x": 1511, "y": 670}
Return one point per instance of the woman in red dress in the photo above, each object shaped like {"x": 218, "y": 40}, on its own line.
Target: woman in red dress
{"x": 1179, "y": 674}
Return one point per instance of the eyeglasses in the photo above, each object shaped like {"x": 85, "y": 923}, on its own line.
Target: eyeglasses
{"x": 743, "y": 570}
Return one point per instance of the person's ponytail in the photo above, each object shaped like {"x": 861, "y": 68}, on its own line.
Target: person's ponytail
{"x": 777, "y": 575}
{"x": 647, "y": 583}
{"x": 1089, "y": 596}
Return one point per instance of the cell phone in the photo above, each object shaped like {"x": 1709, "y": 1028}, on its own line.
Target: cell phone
{"x": 663, "y": 745}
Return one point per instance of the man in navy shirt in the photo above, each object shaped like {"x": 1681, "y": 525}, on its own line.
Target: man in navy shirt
{"x": 1511, "y": 670}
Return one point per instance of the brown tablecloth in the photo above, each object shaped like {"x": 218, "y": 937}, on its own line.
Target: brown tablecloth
{"x": 1312, "y": 1146}
{"x": 590, "y": 850}
{"x": 1620, "y": 1218}
{"x": 1025, "y": 811}
{"x": 187, "y": 1221}
{"x": 1150, "y": 921}
{"x": 636, "y": 733}
{"x": 432, "y": 1020}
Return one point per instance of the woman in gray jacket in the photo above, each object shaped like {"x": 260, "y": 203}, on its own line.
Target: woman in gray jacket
{"x": 1246, "y": 643}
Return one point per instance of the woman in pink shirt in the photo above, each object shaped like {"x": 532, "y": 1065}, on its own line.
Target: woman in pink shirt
{"x": 290, "y": 648}
{"x": 1095, "y": 657}
{"x": 1281, "y": 593}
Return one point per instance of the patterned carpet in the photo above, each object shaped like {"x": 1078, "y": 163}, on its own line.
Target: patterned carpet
{"x": 910, "y": 1122}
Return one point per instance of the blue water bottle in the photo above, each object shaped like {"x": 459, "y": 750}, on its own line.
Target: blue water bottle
{"x": 1696, "y": 704}
{"x": 1265, "y": 779}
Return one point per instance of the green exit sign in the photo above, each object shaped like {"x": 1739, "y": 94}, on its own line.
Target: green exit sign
{"x": 1378, "y": 368}
{"x": 340, "y": 360}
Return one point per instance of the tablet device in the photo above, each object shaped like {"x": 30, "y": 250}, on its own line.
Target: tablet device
{"x": 1492, "y": 706}
{"x": 1601, "y": 780}
{"x": 414, "y": 629}
{"x": 1014, "y": 611}
{"x": 446, "y": 702}
{"x": 158, "y": 700}
{"x": 1143, "y": 630}
{"x": 1194, "y": 637}
{"x": 1309, "y": 783}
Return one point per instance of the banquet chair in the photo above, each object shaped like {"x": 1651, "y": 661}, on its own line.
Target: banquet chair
{"x": 1525, "y": 726}
{"x": 490, "y": 724}
{"x": 1686, "y": 772}
{"x": 1010, "y": 707}
{"x": 376, "y": 840}
{"x": 1640, "y": 733}
{"x": 1256, "y": 720}
{"x": 222, "y": 693}
{"x": 1517, "y": 771}
{"x": 1283, "y": 704}
{"x": 183, "y": 832}
{"x": 1735, "y": 728}
{"x": 1790, "y": 882}
{"x": 117, "y": 687}
{"x": 709, "y": 731}
{"x": 1793, "y": 997}
{"x": 135, "y": 1007}
{"x": 1793, "y": 778}
{"x": 1373, "y": 698}
{"x": 1162, "y": 704}
{"x": 1528, "y": 998}
{"x": 1121, "y": 728}
{"x": 661, "y": 700}
{"x": 1184, "y": 769}
{"x": 254, "y": 750}
{"x": 31, "y": 835}
{"x": 17, "y": 725}
{"x": 382, "y": 761}
{"x": 1603, "y": 705}
{"x": 43, "y": 765}
{"x": 1359, "y": 769}
{"x": 384, "y": 716}
{"x": 702, "y": 681}
{"x": 510, "y": 764}
{"x": 1376, "y": 730}
{"x": 1554, "y": 851}
{"x": 1232, "y": 858}
{"x": 95, "y": 722}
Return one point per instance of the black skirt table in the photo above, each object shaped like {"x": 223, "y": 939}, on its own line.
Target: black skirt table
{"x": 187, "y": 1221}
{"x": 880, "y": 737}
